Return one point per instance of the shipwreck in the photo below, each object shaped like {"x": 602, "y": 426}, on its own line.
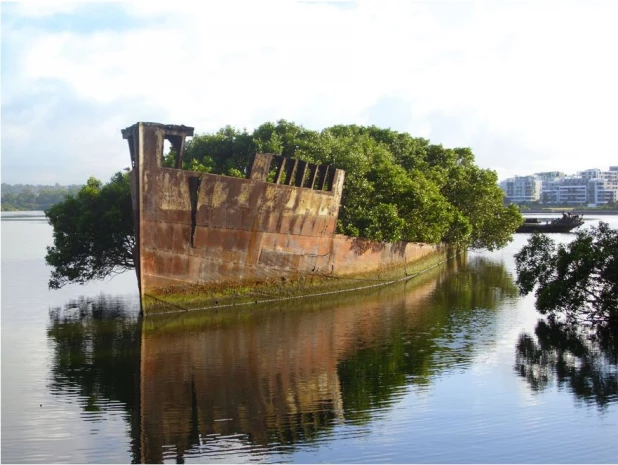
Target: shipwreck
{"x": 205, "y": 240}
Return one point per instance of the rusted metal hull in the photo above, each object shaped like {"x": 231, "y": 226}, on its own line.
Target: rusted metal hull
{"x": 201, "y": 229}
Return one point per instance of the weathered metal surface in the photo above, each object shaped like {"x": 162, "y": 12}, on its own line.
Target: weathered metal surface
{"x": 197, "y": 228}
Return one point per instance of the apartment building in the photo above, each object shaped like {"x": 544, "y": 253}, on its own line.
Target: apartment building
{"x": 589, "y": 187}
{"x": 599, "y": 193}
{"x": 602, "y": 185}
{"x": 550, "y": 182}
{"x": 522, "y": 188}
{"x": 572, "y": 190}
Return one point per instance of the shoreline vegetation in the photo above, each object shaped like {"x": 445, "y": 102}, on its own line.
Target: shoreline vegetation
{"x": 576, "y": 211}
{"x": 31, "y": 197}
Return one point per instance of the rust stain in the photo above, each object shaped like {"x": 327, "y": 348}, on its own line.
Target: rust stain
{"x": 219, "y": 195}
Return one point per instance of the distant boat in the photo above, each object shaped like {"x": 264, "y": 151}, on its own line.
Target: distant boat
{"x": 564, "y": 224}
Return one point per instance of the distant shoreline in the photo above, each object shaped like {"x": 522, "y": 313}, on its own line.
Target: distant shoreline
{"x": 574, "y": 211}
{"x": 23, "y": 213}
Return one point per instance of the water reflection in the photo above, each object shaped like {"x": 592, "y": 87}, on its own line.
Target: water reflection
{"x": 96, "y": 357}
{"x": 262, "y": 380}
{"x": 587, "y": 366}
{"x": 431, "y": 334}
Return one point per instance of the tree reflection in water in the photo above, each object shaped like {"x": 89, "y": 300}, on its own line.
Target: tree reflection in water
{"x": 458, "y": 316}
{"x": 586, "y": 364}
{"x": 267, "y": 379}
{"x": 96, "y": 357}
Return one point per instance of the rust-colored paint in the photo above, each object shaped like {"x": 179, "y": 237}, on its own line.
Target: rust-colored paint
{"x": 197, "y": 228}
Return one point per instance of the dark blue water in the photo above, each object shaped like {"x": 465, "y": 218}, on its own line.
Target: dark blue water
{"x": 429, "y": 371}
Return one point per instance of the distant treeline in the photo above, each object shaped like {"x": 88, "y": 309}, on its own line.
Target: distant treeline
{"x": 21, "y": 197}
{"x": 538, "y": 207}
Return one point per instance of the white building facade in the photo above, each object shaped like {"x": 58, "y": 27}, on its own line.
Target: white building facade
{"x": 591, "y": 187}
{"x": 522, "y": 188}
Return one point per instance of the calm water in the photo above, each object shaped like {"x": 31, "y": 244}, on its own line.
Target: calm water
{"x": 446, "y": 368}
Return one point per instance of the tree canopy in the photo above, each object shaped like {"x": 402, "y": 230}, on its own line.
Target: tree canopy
{"x": 397, "y": 188}
{"x": 93, "y": 233}
{"x": 575, "y": 282}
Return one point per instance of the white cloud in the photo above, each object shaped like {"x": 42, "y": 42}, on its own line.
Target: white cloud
{"x": 537, "y": 77}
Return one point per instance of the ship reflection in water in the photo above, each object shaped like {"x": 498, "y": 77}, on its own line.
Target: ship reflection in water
{"x": 255, "y": 381}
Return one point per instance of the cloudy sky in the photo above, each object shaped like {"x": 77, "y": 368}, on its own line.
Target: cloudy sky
{"x": 529, "y": 86}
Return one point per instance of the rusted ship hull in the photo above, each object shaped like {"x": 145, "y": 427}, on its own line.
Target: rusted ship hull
{"x": 195, "y": 230}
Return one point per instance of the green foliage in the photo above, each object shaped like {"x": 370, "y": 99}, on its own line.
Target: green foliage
{"x": 219, "y": 152}
{"x": 287, "y": 139}
{"x": 93, "y": 233}
{"x": 235, "y": 173}
{"x": 577, "y": 281}
{"x": 397, "y": 188}
{"x": 204, "y": 166}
